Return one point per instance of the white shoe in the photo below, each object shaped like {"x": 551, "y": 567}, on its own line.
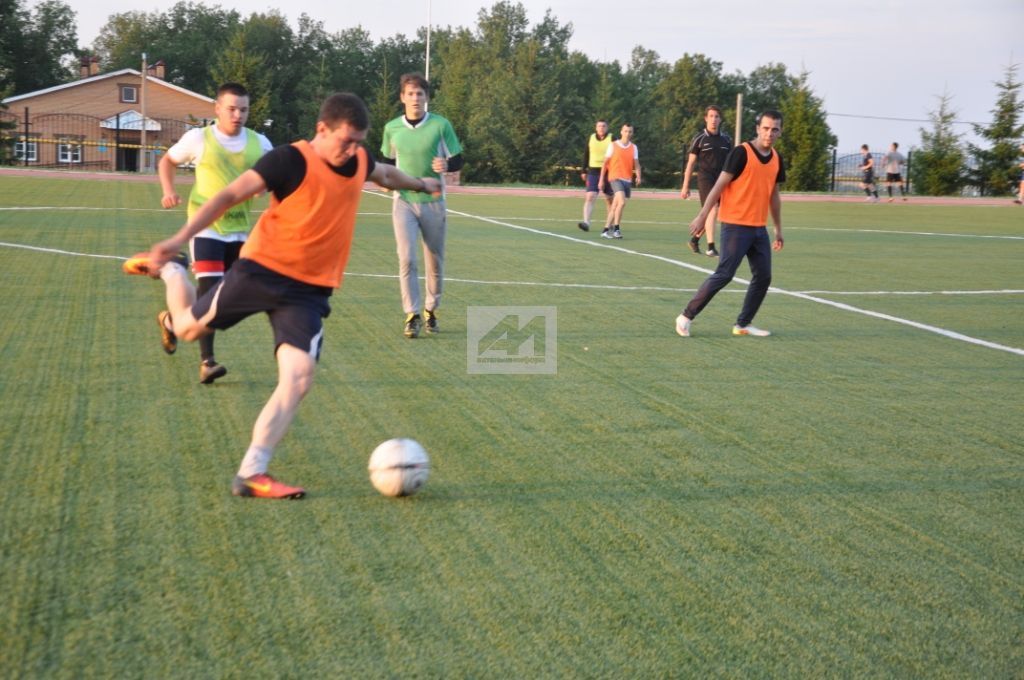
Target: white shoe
{"x": 683, "y": 326}
{"x": 750, "y": 330}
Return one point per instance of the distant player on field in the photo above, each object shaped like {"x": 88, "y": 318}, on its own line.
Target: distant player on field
{"x": 893, "y": 162}
{"x": 621, "y": 163}
{"x": 749, "y": 190}
{"x": 1020, "y": 189}
{"x": 593, "y": 158}
{"x": 708, "y": 151}
{"x": 289, "y": 267}
{"x": 221, "y": 152}
{"x": 867, "y": 174}
{"x": 421, "y": 144}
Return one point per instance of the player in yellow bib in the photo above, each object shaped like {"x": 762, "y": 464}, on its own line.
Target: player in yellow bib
{"x": 221, "y": 152}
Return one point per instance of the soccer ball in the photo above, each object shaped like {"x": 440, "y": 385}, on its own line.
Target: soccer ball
{"x": 399, "y": 467}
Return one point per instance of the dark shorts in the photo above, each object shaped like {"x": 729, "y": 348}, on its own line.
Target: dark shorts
{"x": 704, "y": 187}
{"x": 868, "y": 177}
{"x": 296, "y": 310}
{"x": 623, "y": 185}
{"x": 211, "y": 257}
{"x": 593, "y": 177}
{"x": 893, "y": 177}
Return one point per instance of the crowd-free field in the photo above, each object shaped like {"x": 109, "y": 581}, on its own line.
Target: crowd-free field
{"x": 844, "y": 498}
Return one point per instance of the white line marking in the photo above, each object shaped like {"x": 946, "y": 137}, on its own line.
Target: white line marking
{"x": 61, "y": 252}
{"x": 803, "y": 296}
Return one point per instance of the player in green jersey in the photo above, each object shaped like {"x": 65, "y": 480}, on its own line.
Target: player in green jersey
{"x": 421, "y": 144}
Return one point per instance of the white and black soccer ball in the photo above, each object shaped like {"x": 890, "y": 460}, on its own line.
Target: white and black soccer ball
{"x": 399, "y": 467}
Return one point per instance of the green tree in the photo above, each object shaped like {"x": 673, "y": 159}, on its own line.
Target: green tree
{"x": 939, "y": 165}
{"x": 37, "y": 47}
{"x": 996, "y": 168}
{"x": 241, "y": 64}
{"x": 8, "y": 124}
{"x": 187, "y": 38}
{"x": 765, "y": 88}
{"x": 693, "y": 84}
{"x": 806, "y": 139}
{"x": 650, "y": 124}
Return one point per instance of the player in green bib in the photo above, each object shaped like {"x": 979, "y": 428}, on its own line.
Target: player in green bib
{"x": 421, "y": 144}
{"x": 221, "y": 152}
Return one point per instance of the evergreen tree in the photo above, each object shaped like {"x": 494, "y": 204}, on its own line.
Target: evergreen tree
{"x": 939, "y": 165}
{"x": 996, "y": 168}
{"x": 238, "y": 63}
{"x": 806, "y": 139}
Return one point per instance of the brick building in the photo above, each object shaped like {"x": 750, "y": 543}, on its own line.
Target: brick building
{"x": 95, "y": 122}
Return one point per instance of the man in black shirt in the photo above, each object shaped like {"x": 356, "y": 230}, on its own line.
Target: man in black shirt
{"x": 707, "y": 152}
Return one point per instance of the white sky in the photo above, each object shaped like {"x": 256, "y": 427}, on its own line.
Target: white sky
{"x": 882, "y": 58}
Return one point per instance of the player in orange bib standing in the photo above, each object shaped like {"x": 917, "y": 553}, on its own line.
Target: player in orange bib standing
{"x": 621, "y": 162}
{"x": 749, "y": 190}
{"x": 292, "y": 262}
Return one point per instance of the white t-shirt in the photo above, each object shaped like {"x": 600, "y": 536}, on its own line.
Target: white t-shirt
{"x": 189, "y": 149}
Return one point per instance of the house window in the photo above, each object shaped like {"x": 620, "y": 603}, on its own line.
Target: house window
{"x": 129, "y": 94}
{"x": 68, "y": 151}
{"x": 26, "y": 150}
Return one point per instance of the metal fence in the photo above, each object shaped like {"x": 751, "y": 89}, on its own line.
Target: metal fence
{"x": 75, "y": 141}
{"x": 846, "y": 175}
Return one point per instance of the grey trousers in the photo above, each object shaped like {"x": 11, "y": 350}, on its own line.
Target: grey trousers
{"x": 410, "y": 221}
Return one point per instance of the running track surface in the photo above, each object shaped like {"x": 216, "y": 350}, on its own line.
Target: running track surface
{"x": 523, "y": 191}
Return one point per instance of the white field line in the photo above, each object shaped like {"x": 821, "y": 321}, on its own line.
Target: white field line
{"x": 55, "y": 251}
{"x": 803, "y": 296}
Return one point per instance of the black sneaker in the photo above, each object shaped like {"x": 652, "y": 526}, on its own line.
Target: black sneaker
{"x": 210, "y": 370}
{"x": 168, "y": 340}
{"x": 413, "y": 324}
{"x": 712, "y": 252}
{"x": 583, "y": 226}
{"x": 430, "y": 324}
{"x": 694, "y": 246}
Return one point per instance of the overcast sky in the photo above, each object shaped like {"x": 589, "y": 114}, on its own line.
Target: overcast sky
{"x": 869, "y": 60}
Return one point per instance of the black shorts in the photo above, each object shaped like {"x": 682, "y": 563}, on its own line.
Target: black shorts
{"x": 296, "y": 309}
{"x": 868, "y": 177}
{"x": 213, "y": 257}
{"x": 704, "y": 187}
{"x": 893, "y": 177}
{"x": 593, "y": 178}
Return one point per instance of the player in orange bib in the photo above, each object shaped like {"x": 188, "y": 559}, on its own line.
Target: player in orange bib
{"x": 749, "y": 190}
{"x": 621, "y": 163}
{"x": 292, "y": 262}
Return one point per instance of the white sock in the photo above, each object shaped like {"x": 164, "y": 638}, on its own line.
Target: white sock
{"x": 171, "y": 269}
{"x": 255, "y": 462}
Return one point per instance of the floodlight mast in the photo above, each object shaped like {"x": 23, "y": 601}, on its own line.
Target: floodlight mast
{"x": 426, "y": 70}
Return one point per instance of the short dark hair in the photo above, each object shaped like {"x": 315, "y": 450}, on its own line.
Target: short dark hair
{"x": 416, "y": 79}
{"x": 713, "y": 107}
{"x": 344, "y": 107}
{"x": 236, "y": 89}
{"x": 895, "y": 145}
{"x": 864, "y": 147}
{"x": 771, "y": 113}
